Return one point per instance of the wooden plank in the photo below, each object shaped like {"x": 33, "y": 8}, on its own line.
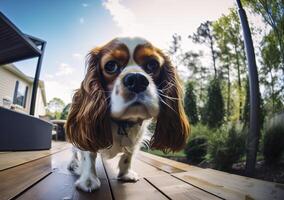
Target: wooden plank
{"x": 169, "y": 185}
{"x": 60, "y": 184}
{"x": 12, "y": 159}
{"x": 17, "y": 179}
{"x": 165, "y": 164}
{"x": 179, "y": 190}
{"x": 143, "y": 169}
{"x": 230, "y": 186}
{"x": 123, "y": 191}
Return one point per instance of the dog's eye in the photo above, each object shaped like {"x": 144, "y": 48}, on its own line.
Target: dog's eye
{"x": 111, "y": 67}
{"x": 151, "y": 66}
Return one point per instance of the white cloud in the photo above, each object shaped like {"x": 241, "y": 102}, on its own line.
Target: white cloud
{"x": 63, "y": 83}
{"x": 64, "y": 69}
{"x": 123, "y": 16}
{"x": 77, "y": 56}
{"x": 82, "y": 20}
{"x": 158, "y": 20}
{"x": 85, "y": 5}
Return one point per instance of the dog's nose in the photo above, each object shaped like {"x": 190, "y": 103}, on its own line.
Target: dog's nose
{"x": 135, "y": 82}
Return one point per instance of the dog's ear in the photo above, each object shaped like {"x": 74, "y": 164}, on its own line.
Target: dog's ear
{"x": 172, "y": 128}
{"x": 88, "y": 122}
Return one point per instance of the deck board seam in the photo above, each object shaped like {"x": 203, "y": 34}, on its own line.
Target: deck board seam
{"x": 178, "y": 179}
{"x": 148, "y": 181}
{"x": 108, "y": 180}
{"x": 17, "y": 165}
{"x": 32, "y": 185}
{"x": 197, "y": 187}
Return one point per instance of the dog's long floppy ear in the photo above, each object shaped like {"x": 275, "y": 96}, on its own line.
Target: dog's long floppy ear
{"x": 88, "y": 122}
{"x": 172, "y": 128}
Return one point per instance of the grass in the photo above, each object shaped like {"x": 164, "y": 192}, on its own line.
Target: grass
{"x": 170, "y": 154}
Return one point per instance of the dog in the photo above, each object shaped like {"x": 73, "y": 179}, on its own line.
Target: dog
{"x": 128, "y": 83}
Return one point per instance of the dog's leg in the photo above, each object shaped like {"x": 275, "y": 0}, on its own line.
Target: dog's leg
{"x": 125, "y": 172}
{"x": 74, "y": 163}
{"x": 88, "y": 180}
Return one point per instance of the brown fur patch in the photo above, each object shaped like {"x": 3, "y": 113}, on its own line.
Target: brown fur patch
{"x": 145, "y": 52}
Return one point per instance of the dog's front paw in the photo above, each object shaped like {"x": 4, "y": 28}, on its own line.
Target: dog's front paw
{"x": 74, "y": 167}
{"x": 88, "y": 184}
{"x": 130, "y": 176}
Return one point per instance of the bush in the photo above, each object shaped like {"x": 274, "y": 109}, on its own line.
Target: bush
{"x": 190, "y": 103}
{"x": 226, "y": 147}
{"x": 214, "y": 111}
{"x": 273, "y": 142}
{"x": 196, "y": 149}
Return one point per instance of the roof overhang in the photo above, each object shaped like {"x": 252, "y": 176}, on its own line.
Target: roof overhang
{"x": 14, "y": 45}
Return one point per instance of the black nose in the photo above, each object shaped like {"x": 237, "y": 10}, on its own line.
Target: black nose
{"x": 135, "y": 82}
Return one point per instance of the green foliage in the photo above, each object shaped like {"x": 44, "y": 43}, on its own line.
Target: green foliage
{"x": 226, "y": 147}
{"x": 205, "y": 35}
{"x": 272, "y": 13}
{"x": 246, "y": 112}
{"x": 273, "y": 144}
{"x": 190, "y": 103}
{"x": 246, "y": 106}
{"x": 269, "y": 73}
{"x": 231, "y": 56}
{"x": 54, "y": 108}
{"x": 65, "y": 111}
{"x": 213, "y": 113}
{"x": 196, "y": 149}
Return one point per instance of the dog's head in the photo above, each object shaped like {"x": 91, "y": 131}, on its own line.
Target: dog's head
{"x": 128, "y": 79}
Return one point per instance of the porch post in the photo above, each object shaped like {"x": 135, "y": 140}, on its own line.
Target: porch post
{"x": 254, "y": 126}
{"x": 36, "y": 79}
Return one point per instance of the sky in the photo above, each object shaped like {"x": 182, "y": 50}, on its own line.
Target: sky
{"x": 72, "y": 27}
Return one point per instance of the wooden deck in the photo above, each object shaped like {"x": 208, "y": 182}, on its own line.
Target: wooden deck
{"x": 43, "y": 175}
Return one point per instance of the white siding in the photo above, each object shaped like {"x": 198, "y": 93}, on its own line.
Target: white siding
{"x": 7, "y": 89}
{"x": 40, "y": 108}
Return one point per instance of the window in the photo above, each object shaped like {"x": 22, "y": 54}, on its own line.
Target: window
{"x": 20, "y": 94}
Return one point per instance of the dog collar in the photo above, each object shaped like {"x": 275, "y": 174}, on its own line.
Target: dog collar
{"x": 123, "y": 125}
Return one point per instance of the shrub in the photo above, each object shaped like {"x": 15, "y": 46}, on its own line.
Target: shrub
{"x": 273, "y": 142}
{"x": 226, "y": 146}
{"x": 196, "y": 149}
{"x": 213, "y": 112}
{"x": 190, "y": 103}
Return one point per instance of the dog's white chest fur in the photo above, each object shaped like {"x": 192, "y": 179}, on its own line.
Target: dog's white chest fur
{"x": 125, "y": 143}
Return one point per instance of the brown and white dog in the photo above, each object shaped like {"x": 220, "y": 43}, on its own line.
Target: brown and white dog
{"x": 128, "y": 83}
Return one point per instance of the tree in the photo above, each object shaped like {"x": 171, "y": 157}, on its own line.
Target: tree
{"x": 231, "y": 55}
{"x": 272, "y": 12}
{"x": 175, "y": 49}
{"x": 214, "y": 108}
{"x": 246, "y": 113}
{"x": 65, "y": 111}
{"x": 190, "y": 103}
{"x": 269, "y": 72}
{"x": 220, "y": 28}
{"x": 199, "y": 73}
{"x": 204, "y": 35}
{"x": 55, "y": 107}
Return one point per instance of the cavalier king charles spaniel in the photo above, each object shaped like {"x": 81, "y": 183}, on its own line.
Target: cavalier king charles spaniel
{"x": 128, "y": 83}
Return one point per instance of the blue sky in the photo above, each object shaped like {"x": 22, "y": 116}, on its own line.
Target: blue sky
{"x": 72, "y": 27}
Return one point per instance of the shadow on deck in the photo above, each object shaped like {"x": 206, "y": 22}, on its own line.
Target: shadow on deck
{"x": 43, "y": 175}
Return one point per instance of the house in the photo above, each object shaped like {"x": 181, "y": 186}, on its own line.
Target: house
{"x": 16, "y": 89}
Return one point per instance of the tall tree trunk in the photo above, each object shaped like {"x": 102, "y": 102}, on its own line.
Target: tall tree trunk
{"x": 229, "y": 93}
{"x": 272, "y": 90}
{"x": 239, "y": 83}
{"x": 213, "y": 55}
